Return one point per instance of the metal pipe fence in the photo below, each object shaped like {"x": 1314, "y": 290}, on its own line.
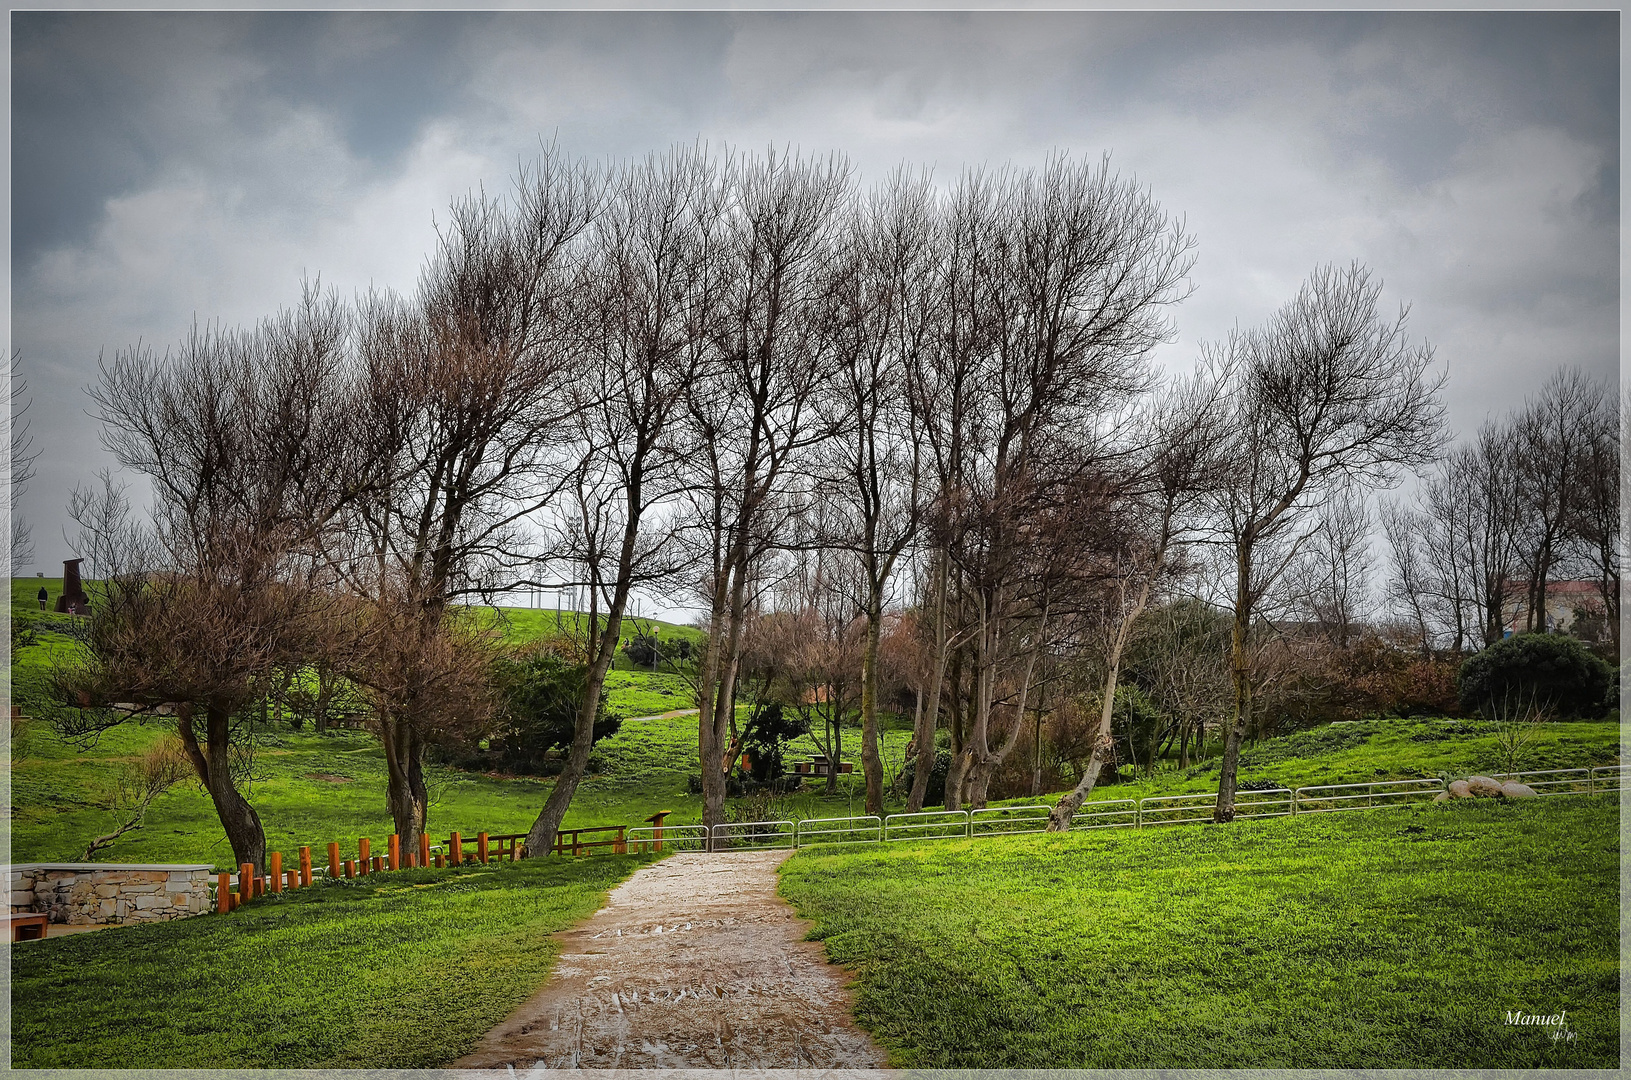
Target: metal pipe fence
{"x": 1101, "y": 814}
{"x": 838, "y": 830}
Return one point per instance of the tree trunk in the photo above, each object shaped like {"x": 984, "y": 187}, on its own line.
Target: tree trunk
{"x": 1240, "y": 669}
{"x": 214, "y": 768}
{"x": 1104, "y": 743}
{"x": 871, "y": 761}
{"x": 928, "y": 718}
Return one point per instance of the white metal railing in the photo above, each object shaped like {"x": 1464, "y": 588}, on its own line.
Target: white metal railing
{"x": 1272, "y": 802}
{"x": 919, "y": 826}
{"x": 1176, "y": 809}
{"x": 865, "y": 829}
{"x": 1608, "y": 777}
{"x": 1008, "y": 820}
{"x": 759, "y": 834}
{"x": 1102, "y": 814}
{"x": 1096, "y": 815}
{"x": 1551, "y": 781}
{"x": 670, "y": 837}
{"x": 1327, "y": 798}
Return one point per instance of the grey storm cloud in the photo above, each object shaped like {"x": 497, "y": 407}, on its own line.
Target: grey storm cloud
{"x": 173, "y": 166}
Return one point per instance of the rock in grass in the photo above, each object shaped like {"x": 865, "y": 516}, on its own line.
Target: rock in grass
{"x": 1514, "y": 790}
{"x": 1443, "y": 796}
{"x": 1459, "y": 789}
{"x": 1483, "y": 787}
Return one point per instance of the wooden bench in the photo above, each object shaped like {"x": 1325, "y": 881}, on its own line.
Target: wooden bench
{"x": 27, "y": 926}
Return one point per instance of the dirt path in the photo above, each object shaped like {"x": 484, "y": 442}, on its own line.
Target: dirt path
{"x": 694, "y": 963}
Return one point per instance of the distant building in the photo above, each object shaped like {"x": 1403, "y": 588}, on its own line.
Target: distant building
{"x": 1574, "y": 607}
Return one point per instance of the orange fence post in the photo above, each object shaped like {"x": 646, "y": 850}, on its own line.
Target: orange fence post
{"x": 305, "y": 866}
{"x": 334, "y": 860}
{"x": 424, "y": 849}
{"x": 294, "y": 878}
{"x": 514, "y": 843}
{"x": 622, "y": 846}
{"x": 246, "y": 881}
{"x": 362, "y": 854}
{"x": 481, "y": 848}
{"x": 456, "y": 847}
{"x": 393, "y": 848}
{"x": 260, "y": 886}
{"x": 376, "y": 864}
{"x": 350, "y": 868}
{"x": 440, "y": 862}
{"x": 276, "y": 871}
{"x": 223, "y": 893}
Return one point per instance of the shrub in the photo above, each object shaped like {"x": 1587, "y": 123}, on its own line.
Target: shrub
{"x": 541, "y": 693}
{"x": 1553, "y": 672}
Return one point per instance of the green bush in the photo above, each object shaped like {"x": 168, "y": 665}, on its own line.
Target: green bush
{"x": 1553, "y": 672}
{"x": 541, "y": 695}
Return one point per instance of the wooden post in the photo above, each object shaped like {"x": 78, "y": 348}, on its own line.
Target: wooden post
{"x": 362, "y": 854}
{"x": 260, "y": 886}
{"x": 246, "y": 881}
{"x": 294, "y": 878}
{"x": 376, "y": 865}
{"x": 276, "y": 871}
{"x": 223, "y": 893}
{"x": 657, "y": 821}
{"x": 334, "y": 860}
{"x": 413, "y": 860}
{"x": 481, "y": 848}
{"x": 350, "y": 868}
{"x": 514, "y": 847}
{"x": 393, "y": 847}
{"x": 439, "y": 860}
{"x": 455, "y": 847}
{"x": 621, "y": 847}
{"x": 424, "y": 849}
{"x": 305, "y": 866}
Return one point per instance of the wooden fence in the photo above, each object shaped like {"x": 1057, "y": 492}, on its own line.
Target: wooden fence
{"x": 455, "y": 851}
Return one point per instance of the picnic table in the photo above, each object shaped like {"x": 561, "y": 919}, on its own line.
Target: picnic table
{"x": 820, "y": 766}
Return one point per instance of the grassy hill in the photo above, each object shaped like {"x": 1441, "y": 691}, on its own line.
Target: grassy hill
{"x": 1390, "y": 939}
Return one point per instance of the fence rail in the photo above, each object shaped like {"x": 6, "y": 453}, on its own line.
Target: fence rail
{"x": 838, "y": 830}
{"x": 753, "y": 834}
{"x": 1552, "y": 781}
{"x": 1332, "y": 798}
{"x": 669, "y": 838}
{"x": 946, "y": 824}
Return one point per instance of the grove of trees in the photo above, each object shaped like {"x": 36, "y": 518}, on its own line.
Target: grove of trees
{"x": 904, "y": 445}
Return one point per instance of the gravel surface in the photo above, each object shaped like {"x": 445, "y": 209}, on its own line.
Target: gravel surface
{"x": 694, "y": 963}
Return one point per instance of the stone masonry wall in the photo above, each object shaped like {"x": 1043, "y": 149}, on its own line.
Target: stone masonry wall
{"x": 82, "y": 894}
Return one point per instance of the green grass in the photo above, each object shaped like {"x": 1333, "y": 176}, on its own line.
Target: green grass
{"x": 1388, "y": 939}
{"x": 398, "y": 971}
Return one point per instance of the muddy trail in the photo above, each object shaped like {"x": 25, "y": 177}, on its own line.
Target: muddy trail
{"x": 694, "y": 963}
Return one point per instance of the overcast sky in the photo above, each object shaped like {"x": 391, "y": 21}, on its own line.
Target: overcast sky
{"x": 167, "y": 166}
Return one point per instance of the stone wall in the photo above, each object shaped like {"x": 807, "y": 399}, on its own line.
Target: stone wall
{"x": 86, "y": 893}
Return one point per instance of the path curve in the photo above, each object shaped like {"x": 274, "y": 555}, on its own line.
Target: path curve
{"x": 694, "y": 963}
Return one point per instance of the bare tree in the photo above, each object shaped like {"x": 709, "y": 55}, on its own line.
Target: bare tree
{"x": 225, "y": 587}
{"x": 24, "y": 457}
{"x": 651, "y": 299}
{"x": 462, "y": 426}
{"x": 1057, "y": 283}
{"x": 1332, "y": 575}
{"x": 1176, "y": 467}
{"x": 1594, "y": 520}
{"x": 1327, "y": 393}
{"x": 1551, "y": 437}
{"x": 139, "y": 783}
{"x": 885, "y": 321}
{"x": 751, "y": 408}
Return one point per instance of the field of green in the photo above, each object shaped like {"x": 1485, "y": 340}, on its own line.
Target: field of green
{"x": 1387, "y": 939}
{"x": 405, "y": 971}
